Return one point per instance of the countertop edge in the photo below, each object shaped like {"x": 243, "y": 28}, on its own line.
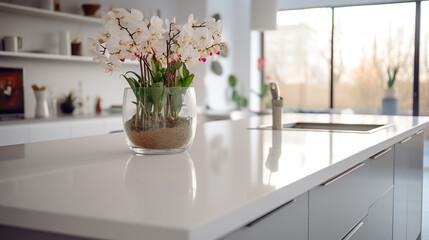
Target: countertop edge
{"x": 78, "y": 226}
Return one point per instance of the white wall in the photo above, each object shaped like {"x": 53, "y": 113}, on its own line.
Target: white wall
{"x": 235, "y": 16}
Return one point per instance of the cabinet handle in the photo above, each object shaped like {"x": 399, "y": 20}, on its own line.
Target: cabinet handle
{"x": 420, "y": 132}
{"x": 353, "y": 231}
{"x": 405, "y": 140}
{"x": 342, "y": 174}
{"x": 269, "y": 213}
{"x": 381, "y": 153}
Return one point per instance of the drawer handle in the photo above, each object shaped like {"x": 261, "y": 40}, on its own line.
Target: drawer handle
{"x": 405, "y": 140}
{"x": 353, "y": 231}
{"x": 381, "y": 153}
{"x": 420, "y": 132}
{"x": 342, "y": 175}
{"x": 269, "y": 213}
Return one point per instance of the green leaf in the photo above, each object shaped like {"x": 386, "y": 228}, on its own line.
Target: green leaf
{"x": 176, "y": 98}
{"x": 264, "y": 90}
{"x": 185, "y": 71}
{"x": 138, "y": 76}
{"x": 216, "y": 68}
{"x": 158, "y": 97}
{"x": 242, "y": 102}
{"x": 144, "y": 98}
{"x": 157, "y": 77}
{"x": 232, "y": 81}
{"x": 158, "y": 66}
{"x": 176, "y": 66}
{"x": 133, "y": 84}
{"x": 188, "y": 80}
{"x": 234, "y": 95}
{"x": 216, "y": 16}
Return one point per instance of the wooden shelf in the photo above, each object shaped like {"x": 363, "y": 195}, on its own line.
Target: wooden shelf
{"x": 38, "y": 12}
{"x": 47, "y": 56}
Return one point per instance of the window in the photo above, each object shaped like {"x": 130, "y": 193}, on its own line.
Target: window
{"x": 424, "y": 60}
{"x": 369, "y": 41}
{"x": 297, "y": 56}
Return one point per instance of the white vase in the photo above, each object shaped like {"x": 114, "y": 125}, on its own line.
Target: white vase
{"x": 42, "y": 109}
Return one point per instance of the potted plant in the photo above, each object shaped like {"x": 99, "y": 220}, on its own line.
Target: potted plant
{"x": 67, "y": 106}
{"x": 159, "y": 109}
{"x": 390, "y": 102}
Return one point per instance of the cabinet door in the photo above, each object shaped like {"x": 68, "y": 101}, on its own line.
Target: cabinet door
{"x": 91, "y": 127}
{"x": 408, "y": 185}
{"x": 415, "y": 186}
{"x": 17, "y": 134}
{"x": 380, "y": 173}
{"x": 338, "y": 205}
{"x": 380, "y": 217}
{"x": 359, "y": 232}
{"x": 287, "y": 222}
{"x": 49, "y": 131}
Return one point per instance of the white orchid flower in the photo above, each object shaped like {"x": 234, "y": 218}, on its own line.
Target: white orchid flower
{"x": 186, "y": 35}
{"x": 98, "y": 57}
{"x": 107, "y": 17}
{"x": 190, "y": 56}
{"x": 155, "y": 28}
{"x": 202, "y": 38}
{"x": 191, "y": 20}
{"x": 92, "y": 44}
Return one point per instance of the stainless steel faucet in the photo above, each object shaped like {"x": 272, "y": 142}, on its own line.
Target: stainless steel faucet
{"x": 277, "y": 103}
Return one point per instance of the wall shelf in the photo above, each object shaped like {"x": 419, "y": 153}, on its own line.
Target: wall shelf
{"x": 30, "y": 55}
{"x": 45, "y": 56}
{"x": 38, "y": 12}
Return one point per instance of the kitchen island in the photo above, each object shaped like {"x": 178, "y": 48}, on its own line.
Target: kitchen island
{"x": 234, "y": 182}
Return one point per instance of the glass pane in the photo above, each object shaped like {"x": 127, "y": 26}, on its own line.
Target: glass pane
{"x": 424, "y": 60}
{"x": 297, "y": 56}
{"x": 369, "y": 41}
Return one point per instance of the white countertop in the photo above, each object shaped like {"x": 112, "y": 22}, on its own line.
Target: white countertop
{"x": 96, "y": 187}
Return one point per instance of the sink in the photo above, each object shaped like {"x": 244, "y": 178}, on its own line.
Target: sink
{"x": 332, "y": 127}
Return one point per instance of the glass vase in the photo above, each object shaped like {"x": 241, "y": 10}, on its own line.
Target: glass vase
{"x": 159, "y": 120}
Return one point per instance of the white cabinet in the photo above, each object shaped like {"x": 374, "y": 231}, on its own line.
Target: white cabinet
{"x": 408, "y": 185}
{"x": 380, "y": 168}
{"x": 85, "y": 128}
{"x": 359, "y": 231}
{"x": 57, "y": 129}
{"x": 15, "y": 134}
{"x": 380, "y": 217}
{"x": 289, "y": 221}
{"x": 48, "y": 131}
{"x": 338, "y": 205}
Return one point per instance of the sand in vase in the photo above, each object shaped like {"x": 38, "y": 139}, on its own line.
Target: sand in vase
{"x": 175, "y": 134}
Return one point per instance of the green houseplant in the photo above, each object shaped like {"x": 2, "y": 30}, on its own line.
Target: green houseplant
{"x": 67, "y": 106}
{"x": 390, "y": 102}
{"x": 159, "y": 112}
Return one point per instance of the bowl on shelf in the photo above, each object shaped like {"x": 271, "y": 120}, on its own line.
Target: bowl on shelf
{"x": 89, "y": 9}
